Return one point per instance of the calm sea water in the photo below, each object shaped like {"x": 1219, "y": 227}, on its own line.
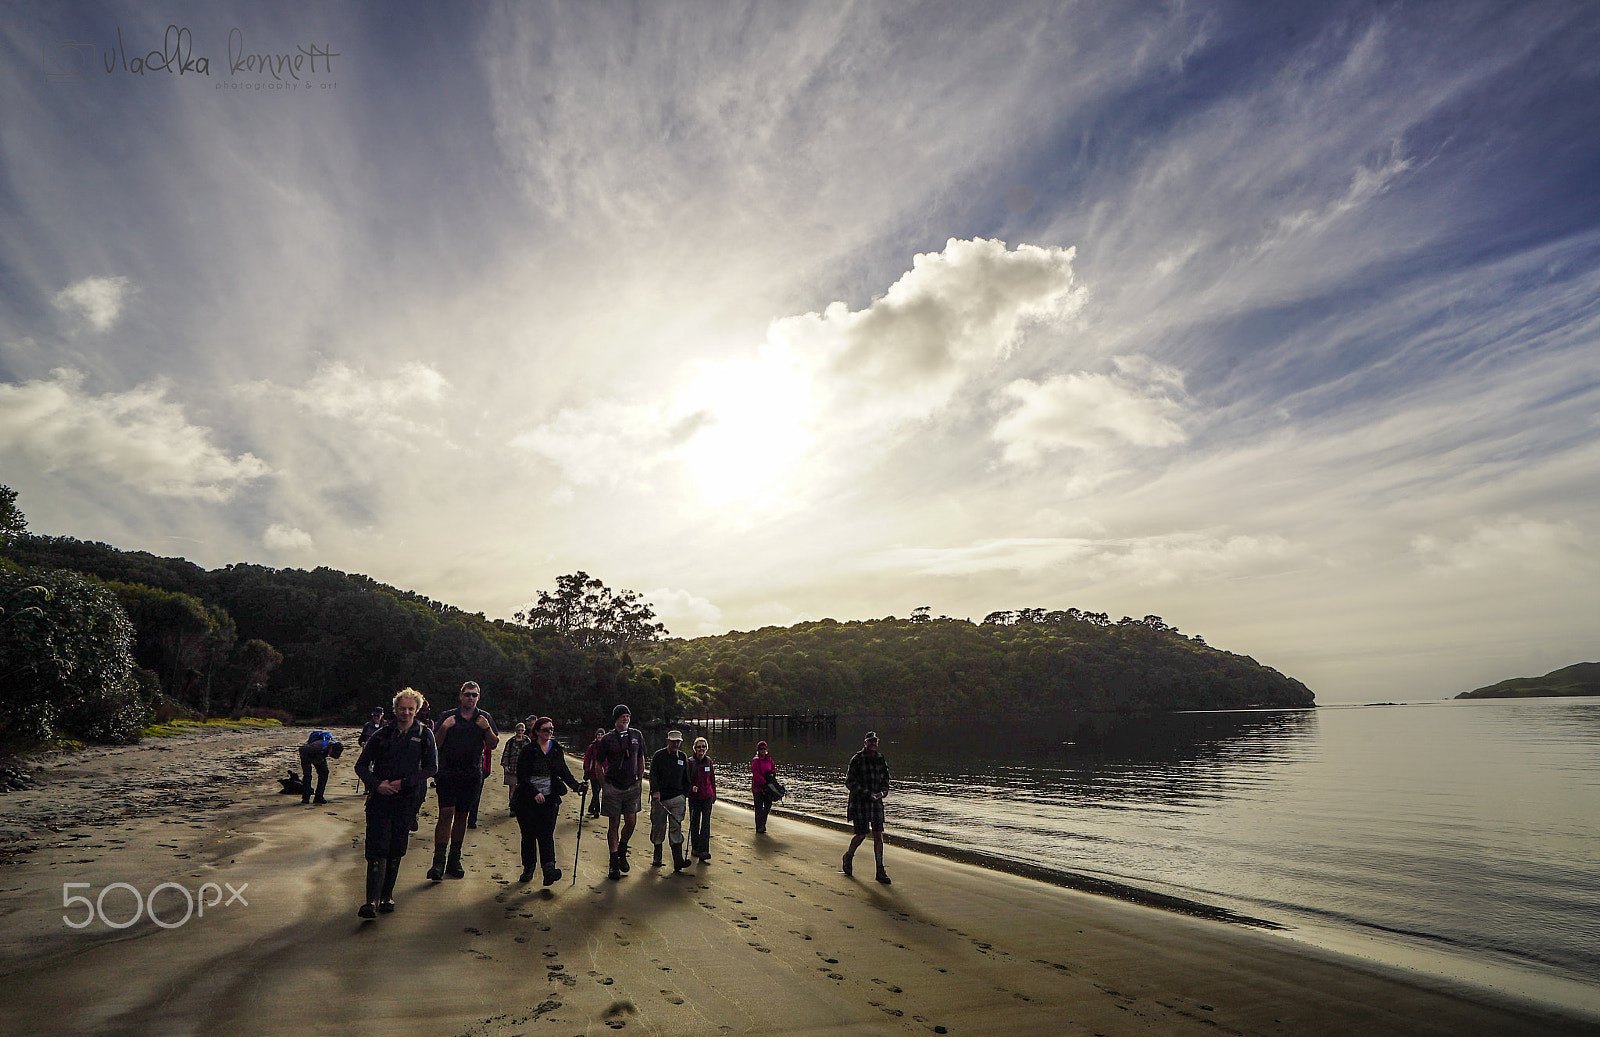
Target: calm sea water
{"x": 1459, "y": 838}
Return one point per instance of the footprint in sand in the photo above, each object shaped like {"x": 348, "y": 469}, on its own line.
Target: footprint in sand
{"x": 671, "y": 997}
{"x": 763, "y": 950}
{"x": 552, "y": 954}
{"x": 885, "y": 984}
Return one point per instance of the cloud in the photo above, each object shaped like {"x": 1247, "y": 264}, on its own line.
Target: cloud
{"x": 282, "y": 537}
{"x": 349, "y": 394}
{"x": 953, "y": 314}
{"x": 685, "y": 614}
{"x": 136, "y": 437}
{"x": 1150, "y": 561}
{"x": 831, "y": 388}
{"x": 1510, "y": 541}
{"x": 1087, "y": 411}
{"x": 97, "y": 300}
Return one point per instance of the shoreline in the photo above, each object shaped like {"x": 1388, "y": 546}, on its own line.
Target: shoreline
{"x": 770, "y": 938}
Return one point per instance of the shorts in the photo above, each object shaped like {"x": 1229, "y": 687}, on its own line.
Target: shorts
{"x": 615, "y": 802}
{"x": 459, "y": 790}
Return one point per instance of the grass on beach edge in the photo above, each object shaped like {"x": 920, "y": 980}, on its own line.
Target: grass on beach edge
{"x": 169, "y": 728}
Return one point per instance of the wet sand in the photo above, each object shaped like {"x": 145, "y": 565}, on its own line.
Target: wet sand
{"x": 768, "y": 939}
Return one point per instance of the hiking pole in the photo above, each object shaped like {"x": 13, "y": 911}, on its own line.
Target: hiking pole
{"x": 577, "y": 844}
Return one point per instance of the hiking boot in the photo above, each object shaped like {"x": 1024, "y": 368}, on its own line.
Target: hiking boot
{"x": 320, "y": 801}
{"x": 552, "y": 876}
{"x": 882, "y": 876}
{"x": 305, "y": 801}
{"x": 680, "y": 860}
{"x": 656, "y": 861}
{"x": 622, "y": 858}
{"x": 386, "y": 907}
{"x": 453, "y": 870}
{"x": 368, "y": 911}
{"x": 436, "y": 873}
{"x": 616, "y": 869}
{"x": 526, "y": 876}
{"x": 847, "y": 864}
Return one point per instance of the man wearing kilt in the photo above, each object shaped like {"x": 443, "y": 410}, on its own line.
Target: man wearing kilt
{"x": 867, "y": 779}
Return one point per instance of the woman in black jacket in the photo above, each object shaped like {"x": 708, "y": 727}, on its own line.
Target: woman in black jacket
{"x": 542, "y": 775}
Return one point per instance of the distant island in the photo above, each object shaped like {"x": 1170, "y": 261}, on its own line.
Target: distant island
{"x": 1577, "y": 679}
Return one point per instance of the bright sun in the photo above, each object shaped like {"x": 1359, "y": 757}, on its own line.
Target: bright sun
{"x": 747, "y": 426}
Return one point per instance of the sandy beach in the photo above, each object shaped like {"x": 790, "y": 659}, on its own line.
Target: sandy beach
{"x": 770, "y": 938}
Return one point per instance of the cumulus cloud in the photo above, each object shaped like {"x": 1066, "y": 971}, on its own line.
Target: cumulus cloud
{"x": 1085, "y": 411}
{"x": 953, "y": 314}
{"x": 97, "y": 300}
{"x": 1513, "y": 540}
{"x": 352, "y": 396}
{"x": 685, "y": 614}
{"x": 1151, "y": 561}
{"x": 282, "y": 537}
{"x": 839, "y": 382}
{"x": 137, "y": 437}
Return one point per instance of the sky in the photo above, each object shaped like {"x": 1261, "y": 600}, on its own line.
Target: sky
{"x": 1279, "y": 321}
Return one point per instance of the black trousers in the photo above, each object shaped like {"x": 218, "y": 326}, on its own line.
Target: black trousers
{"x": 538, "y": 824}
{"x": 763, "y": 808}
{"x": 700, "y": 825}
{"x": 321, "y": 765}
{"x": 388, "y": 825}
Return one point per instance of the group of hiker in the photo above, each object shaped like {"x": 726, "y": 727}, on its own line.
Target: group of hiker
{"x": 401, "y": 755}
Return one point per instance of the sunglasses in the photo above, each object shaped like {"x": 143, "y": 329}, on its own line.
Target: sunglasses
{"x": 469, "y": 694}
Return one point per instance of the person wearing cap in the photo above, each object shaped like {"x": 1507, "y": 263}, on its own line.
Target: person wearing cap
{"x": 762, "y": 770}
{"x": 621, "y": 757}
{"x": 370, "y": 728}
{"x": 702, "y": 793}
{"x": 867, "y": 779}
{"x": 669, "y": 788}
{"x": 464, "y": 735}
{"x": 593, "y": 772}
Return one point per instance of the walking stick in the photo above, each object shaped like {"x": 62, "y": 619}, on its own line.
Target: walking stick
{"x": 577, "y": 843}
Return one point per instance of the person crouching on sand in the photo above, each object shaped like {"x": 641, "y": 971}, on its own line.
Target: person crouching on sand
{"x": 762, "y": 770}
{"x": 395, "y": 762}
{"x": 702, "y": 793}
{"x": 542, "y": 774}
{"x": 867, "y": 779}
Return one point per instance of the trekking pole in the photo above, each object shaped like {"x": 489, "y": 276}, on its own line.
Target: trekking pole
{"x": 577, "y": 844}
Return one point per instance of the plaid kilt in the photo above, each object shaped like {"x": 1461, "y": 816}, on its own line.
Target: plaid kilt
{"x": 862, "y": 807}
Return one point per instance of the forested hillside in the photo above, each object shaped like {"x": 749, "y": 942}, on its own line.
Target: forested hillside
{"x": 1577, "y": 679}
{"x": 1029, "y": 660}
{"x": 325, "y": 644}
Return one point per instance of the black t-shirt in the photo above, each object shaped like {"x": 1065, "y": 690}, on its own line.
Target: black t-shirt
{"x": 461, "y": 747}
{"x": 622, "y": 755}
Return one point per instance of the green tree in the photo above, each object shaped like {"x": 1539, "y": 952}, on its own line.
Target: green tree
{"x": 12, "y": 524}
{"x": 66, "y": 662}
{"x": 585, "y": 613}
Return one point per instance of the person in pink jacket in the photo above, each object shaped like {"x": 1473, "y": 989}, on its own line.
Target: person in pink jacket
{"x": 762, "y": 770}
{"x": 702, "y": 793}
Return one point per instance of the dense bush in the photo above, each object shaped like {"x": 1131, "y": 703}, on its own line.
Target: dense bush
{"x": 66, "y": 667}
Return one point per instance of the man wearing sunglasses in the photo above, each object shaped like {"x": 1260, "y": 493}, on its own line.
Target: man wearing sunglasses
{"x": 464, "y": 734}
